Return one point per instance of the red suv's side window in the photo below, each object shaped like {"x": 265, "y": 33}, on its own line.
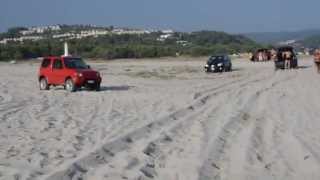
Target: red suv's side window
{"x": 45, "y": 63}
{"x": 57, "y": 64}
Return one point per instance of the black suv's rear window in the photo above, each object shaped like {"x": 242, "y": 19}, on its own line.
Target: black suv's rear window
{"x": 45, "y": 63}
{"x": 215, "y": 58}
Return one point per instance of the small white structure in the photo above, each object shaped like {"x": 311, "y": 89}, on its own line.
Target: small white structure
{"x": 66, "y": 49}
{"x": 167, "y": 31}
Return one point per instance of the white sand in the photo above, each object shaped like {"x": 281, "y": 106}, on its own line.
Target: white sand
{"x": 164, "y": 120}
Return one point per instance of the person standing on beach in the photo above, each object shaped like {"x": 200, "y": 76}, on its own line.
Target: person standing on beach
{"x": 260, "y": 56}
{"x": 316, "y": 57}
{"x": 287, "y": 59}
{"x": 273, "y": 54}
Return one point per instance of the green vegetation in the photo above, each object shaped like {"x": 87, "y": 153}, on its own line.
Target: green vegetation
{"x": 113, "y": 46}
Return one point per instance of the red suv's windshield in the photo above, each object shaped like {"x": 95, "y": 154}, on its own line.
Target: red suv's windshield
{"x": 75, "y": 63}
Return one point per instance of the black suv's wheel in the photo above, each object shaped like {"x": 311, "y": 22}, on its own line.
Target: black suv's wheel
{"x": 70, "y": 86}
{"x": 43, "y": 84}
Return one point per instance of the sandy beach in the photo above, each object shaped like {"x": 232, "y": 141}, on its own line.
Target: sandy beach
{"x": 163, "y": 119}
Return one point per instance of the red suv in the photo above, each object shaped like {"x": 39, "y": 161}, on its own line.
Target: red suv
{"x": 70, "y": 72}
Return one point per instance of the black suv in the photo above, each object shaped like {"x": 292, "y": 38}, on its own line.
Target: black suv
{"x": 218, "y": 64}
{"x": 279, "y": 62}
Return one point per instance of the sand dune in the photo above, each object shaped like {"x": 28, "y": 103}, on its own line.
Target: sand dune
{"x": 163, "y": 119}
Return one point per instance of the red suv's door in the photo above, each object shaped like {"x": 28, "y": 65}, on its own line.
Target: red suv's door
{"x": 46, "y": 69}
{"x": 57, "y": 72}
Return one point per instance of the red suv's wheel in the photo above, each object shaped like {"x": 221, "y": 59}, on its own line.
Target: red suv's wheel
{"x": 43, "y": 84}
{"x": 98, "y": 87}
{"x": 70, "y": 86}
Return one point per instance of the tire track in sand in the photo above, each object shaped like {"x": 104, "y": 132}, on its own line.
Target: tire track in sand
{"x": 213, "y": 166}
{"x": 152, "y": 131}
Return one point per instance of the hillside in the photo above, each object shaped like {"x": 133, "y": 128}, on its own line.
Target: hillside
{"x": 122, "y": 43}
{"x": 276, "y": 37}
{"x": 311, "y": 42}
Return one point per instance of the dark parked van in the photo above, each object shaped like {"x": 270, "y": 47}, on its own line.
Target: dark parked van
{"x": 280, "y": 61}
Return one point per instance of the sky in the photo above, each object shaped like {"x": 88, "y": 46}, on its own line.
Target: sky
{"x": 233, "y": 16}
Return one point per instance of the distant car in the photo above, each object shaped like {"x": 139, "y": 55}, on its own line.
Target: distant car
{"x": 280, "y": 62}
{"x": 218, "y": 64}
{"x": 70, "y": 72}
